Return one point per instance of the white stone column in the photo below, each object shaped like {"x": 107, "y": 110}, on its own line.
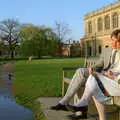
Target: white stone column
{"x": 111, "y": 21}
{"x": 86, "y": 27}
{"x": 119, "y": 19}
{"x": 96, "y": 26}
{"x": 103, "y": 23}
{"x": 93, "y": 25}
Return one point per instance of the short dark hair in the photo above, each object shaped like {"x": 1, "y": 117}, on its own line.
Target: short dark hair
{"x": 115, "y": 33}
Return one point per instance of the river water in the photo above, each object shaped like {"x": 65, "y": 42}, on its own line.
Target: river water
{"x": 9, "y": 109}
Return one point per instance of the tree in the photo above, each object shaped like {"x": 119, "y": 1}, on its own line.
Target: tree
{"x": 50, "y": 41}
{"x": 62, "y": 30}
{"x": 2, "y": 48}
{"x": 75, "y": 50}
{"x": 9, "y": 32}
{"x": 38, "y": 41}
{"x": 30, "y": 38}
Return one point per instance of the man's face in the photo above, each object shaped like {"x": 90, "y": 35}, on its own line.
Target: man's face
{"x": 114, "y": 38}
{"x": 113, "y": 42}
{"x": 116, "y": 41}
{"x": 118, "y": 36}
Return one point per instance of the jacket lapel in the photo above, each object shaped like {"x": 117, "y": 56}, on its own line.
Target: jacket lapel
{"x": 113, "y": 56}
{"x": 107, "y": 57}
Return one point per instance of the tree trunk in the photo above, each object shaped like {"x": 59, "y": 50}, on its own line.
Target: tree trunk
{"x": 12, "y": 54}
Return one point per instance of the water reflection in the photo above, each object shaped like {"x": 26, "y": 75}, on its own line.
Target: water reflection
{"x": 9, "y": 109}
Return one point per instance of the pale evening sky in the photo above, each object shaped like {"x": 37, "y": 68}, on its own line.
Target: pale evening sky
{"x": 46, "y": 12}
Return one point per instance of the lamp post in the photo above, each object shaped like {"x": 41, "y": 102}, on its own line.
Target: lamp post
{"x": 95, "y": 43}
{"x": 93, "y": 40}
{"x": 86, "y": 49}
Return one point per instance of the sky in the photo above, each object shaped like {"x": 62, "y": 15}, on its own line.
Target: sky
{"x": 46, "y": 12}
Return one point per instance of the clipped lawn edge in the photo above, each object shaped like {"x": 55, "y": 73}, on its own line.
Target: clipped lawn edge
{"x": 38, "y": 113}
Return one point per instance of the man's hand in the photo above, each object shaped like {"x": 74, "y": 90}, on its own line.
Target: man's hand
{"x": 109, "y": 74}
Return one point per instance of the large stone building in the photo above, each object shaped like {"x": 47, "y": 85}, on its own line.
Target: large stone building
{"x": 98, "y": 26}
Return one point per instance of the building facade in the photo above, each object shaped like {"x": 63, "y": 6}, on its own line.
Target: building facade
{"x": 66, "y": 49}
{"x": 98, "y": 26}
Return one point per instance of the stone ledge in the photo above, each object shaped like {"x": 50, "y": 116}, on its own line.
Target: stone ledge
{"x": 46, "y": 102}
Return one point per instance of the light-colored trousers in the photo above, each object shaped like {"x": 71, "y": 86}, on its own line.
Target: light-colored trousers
{"x": 78, "y": 79}
{"x": 82, "y": 77}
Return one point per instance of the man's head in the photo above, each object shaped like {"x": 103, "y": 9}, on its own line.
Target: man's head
{"x": 115, "y": 36}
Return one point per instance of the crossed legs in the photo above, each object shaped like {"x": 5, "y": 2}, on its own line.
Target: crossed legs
{"x": 78, "y": 79}
{"x": 92, "y": 90}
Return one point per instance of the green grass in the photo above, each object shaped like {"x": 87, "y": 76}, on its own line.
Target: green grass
{"x": 40, "y": 78}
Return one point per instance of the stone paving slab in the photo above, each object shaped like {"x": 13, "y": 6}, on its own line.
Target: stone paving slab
{"x": 59, "y": 115}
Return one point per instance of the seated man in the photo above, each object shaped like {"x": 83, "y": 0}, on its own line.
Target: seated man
{"x": 92, "y": 87}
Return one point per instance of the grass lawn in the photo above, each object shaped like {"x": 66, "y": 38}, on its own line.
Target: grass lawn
{"x": 40, "y": 78}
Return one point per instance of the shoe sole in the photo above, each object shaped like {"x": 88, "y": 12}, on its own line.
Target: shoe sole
{"x": 72, "y": 110}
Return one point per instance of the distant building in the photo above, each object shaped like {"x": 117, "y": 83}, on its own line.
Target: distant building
{"x": 66, "y": 49}
{"x": 98, "y": 26}
{"x": 75, "y": 49}
{"x": 71, "y": 49}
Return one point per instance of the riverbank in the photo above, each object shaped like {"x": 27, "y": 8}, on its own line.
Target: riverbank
{"x": 33, "y": 105}
{"x": 9, "y": 109}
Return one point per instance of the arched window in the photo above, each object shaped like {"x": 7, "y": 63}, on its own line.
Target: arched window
{"x": 100, "y": 49}
{"x": 107, "y": 22}
{"x": 100, "y": 24}
{"x": 115, "y": 20}
{"x": 89, "y": 27}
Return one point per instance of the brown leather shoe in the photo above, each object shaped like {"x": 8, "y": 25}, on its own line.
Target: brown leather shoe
{"x": 75, "y": 108}
{"x": 59, "y": 107}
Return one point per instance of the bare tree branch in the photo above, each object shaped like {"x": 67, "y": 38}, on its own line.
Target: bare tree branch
{"x": 62, "y": 30}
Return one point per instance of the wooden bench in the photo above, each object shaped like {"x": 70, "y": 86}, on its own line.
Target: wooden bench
{"x": 66, "y": 80}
